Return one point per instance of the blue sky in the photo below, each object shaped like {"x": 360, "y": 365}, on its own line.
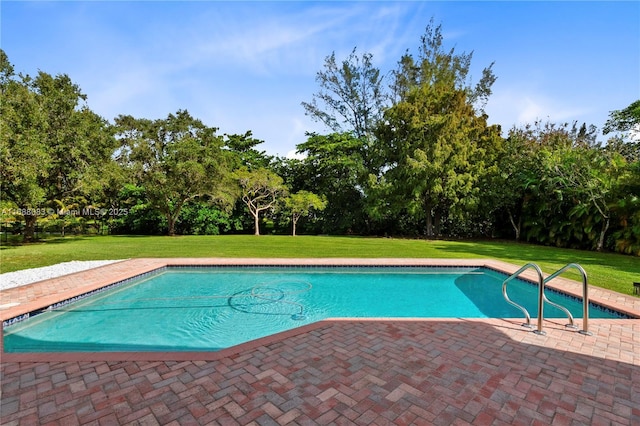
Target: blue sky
{"x": 245, "y": 66}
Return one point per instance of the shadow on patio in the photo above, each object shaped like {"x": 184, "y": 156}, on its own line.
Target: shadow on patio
{"x": 352, "y": 372}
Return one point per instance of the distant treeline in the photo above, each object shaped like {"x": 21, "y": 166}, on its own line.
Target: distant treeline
{"x": 413, "y": 158}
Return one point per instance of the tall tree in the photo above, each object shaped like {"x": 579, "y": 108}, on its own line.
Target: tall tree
{"x": 434, "y": 66}
{"x": 246, "y": 155}
{"x": 351, "y": 96}
{"x": 53, "y": 148}
{"x": 558, "y": 184}
{"x": 261, "y": 190}
{"x": 175, "y": 160}
{"x": 587, "y": 177}
{"x": 623, "y": 120}
{"x": 23, "y": 153}
{"x": 627, "y": 211}
{"x": 433, "y": 136}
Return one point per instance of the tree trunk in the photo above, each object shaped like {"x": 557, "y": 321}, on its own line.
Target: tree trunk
{"x": 428, "y": 212}
{"x": 437, "y": 223}
{"x": 171, "y": 223}
{"x": 172, "y": 216}
{"x": 605, "y": 227}
{"x": 30, "y": 226}
{"x": 294, "y": 220}
{"x": 256, "y": 222}
{"x": 516, "y": 228}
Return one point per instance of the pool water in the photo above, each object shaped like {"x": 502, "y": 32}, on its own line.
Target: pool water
{"x": 208, "y": 309}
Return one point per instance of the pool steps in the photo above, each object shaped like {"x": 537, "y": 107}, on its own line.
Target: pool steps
{"x": 542, "y": 298}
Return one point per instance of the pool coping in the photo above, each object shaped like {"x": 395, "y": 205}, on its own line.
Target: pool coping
{"x": 40, "y": 295}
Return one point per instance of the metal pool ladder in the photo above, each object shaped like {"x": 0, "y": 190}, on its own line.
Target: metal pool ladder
{"x": 542, "y": 298}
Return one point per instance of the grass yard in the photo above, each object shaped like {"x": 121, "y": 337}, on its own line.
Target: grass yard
{"x": 612, "y": 271}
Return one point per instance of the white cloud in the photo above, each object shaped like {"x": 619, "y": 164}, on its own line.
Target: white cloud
{"x": 634, "y": 133}
{"x": 262, "y": 40}
{"x": 294, "y": 155}
{"x": 512, "y": 107}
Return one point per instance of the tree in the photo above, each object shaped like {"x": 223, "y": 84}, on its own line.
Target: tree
{"x": 558, "y": 184}
{"x": 243, "y": 148}
{"x": 52, "y": 146}
{"x": 23, "y": 154}
{"x": 334, "y": 168}
{"x": 175, "y": 160}
{"x": 351, "y": 96}
{"x": 627, "y": 211}
{"x": 432, "y": 137}
{"x": 587, "y": 177}
{"x": 520, "y": 178}
{"x": 261, "y": 190}
{"x": 436, "y": 66}
{"x": 623, "y": 120}
{"x": 302, "y": 203}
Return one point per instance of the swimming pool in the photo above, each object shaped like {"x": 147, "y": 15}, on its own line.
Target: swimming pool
{"x": 207, "y": 309}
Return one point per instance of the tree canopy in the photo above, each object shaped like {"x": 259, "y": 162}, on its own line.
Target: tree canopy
{"x": 432, "y": 138}
{"x": 53, "y": 148}
{"x": 175, "y": 160}
{"x": 351, "y": 96}
{"x": 624, "y": 120}
{"x": 416, "y": 155}
{"x": 261, "y": 190}
{"x": 303, "y": 203}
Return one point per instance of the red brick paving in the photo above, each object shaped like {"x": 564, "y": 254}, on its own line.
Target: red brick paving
{"x": 351, "y": 372}
{"x": 483, "y": 372}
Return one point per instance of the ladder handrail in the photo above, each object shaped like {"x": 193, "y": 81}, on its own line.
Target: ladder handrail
{"x": 585, "y": 294}
{"x": 540, "y": 294}
{"x": 562, "y": 308}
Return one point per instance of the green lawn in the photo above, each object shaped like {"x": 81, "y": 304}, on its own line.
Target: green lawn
{"x": 612, "y": 271}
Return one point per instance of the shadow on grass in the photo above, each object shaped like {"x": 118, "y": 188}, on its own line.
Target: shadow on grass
{"x": 524, "y": 251}
{"x": 53, "y": 240}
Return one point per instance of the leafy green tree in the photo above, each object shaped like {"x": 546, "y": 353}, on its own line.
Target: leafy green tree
{"x": 301, "y": 204}
{"x": 558, "y": 184}
{"x": 588, "y": 177}
{"x": 245, "y": 153}
{"x": 350, "y": 102}
{"x": 508, "y": 191}
{"x": 175, "y": 160}
{"x": 623, "y": 120}
{"x": 261, "y": 189}
{"x": 203, "y": 217}
{"x": 434, "y": 66}
{"x": 515, "y": 192}
{"x": 629, "y": 149}
{"x": 351, "y": 96}
{"x": 52, "y": 146}
{"x": 23, "y": 155}
{"x": 334, "y": 167}
{"x": 433, "y": 139}
{"x": 141, "y": 217}
{"x": 626, "y": 210}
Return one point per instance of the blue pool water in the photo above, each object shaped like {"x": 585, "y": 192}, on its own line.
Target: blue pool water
{"x": 213, "y": 308}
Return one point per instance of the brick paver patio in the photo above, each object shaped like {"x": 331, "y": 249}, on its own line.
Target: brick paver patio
{"x": 451, "y": 371}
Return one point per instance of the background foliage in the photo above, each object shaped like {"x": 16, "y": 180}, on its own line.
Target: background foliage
{"x": 416, "y": 157}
